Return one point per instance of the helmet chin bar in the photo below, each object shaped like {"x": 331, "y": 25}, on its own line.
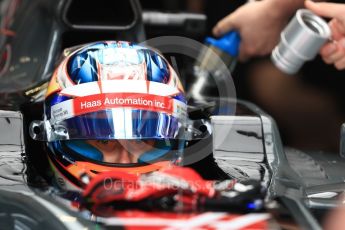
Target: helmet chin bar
{"x": 197, "y": 129}
{"x": 44, "y": 131}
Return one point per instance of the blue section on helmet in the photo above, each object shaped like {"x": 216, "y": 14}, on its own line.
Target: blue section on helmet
{"x": 53, "y": 100}
{"x": 180, "y": 96}
{"x": 85, "y": 149}
{"x": 82, "y": 68}
{"x": 157, "y": 68}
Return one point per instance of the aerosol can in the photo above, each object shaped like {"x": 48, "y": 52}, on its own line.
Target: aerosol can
{"x": 213, "y": 65}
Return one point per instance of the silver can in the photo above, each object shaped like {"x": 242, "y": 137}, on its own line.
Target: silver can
{"x": 300, "y": 41}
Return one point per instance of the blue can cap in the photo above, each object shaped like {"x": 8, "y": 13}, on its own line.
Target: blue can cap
{"x": 228, "y": 43}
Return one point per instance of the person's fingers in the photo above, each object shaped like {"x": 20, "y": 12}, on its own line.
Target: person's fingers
{"x": 330, "y": 10}
{"x": 337, "y": 29}
{"x": 340, "y": 64}
{"x": 241, "y": 54}
{"x": 333, "y": 52}
{"x": 335, "y": 218}
{"x": 335, "y": 57}
{"x": 224, "y": 25}
{"x": 328, "y": 49}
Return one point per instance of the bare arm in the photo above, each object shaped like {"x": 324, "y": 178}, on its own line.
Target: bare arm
{"x": 259, "y": 24}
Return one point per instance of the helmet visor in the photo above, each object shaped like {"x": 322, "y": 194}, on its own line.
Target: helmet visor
{"x": 109, "y": 124}
{"x": 120, "y": 151}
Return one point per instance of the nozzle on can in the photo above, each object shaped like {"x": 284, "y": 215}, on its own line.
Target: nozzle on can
{"x": 213, "y": 62}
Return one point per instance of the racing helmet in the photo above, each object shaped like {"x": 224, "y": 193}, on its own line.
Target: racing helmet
{"x": 112, "y": 105}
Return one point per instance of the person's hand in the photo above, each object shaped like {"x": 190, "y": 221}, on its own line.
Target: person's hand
{"x": 335, "y": 219}
{"x": 259, "y": 24}
{"x": 332, "y": 52}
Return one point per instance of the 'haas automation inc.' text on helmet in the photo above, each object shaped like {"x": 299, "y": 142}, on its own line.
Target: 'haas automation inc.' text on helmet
{"x": 112, "y": 105}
